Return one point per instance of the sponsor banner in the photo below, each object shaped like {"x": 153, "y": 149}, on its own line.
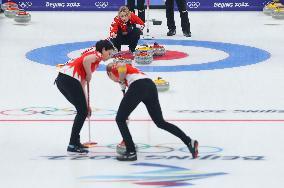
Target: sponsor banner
{"x": 106, "y": 5}
{"x": 70, "y": 5}
{"x": 225, "y": 5}
{"x": 219, "y": 5}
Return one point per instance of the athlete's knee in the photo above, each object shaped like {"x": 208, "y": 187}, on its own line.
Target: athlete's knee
{"x": 83, "y": 112}
{"x": 120, "y": 119}
{"x": 160, "y": 123}
{"x": 135, "y": 34}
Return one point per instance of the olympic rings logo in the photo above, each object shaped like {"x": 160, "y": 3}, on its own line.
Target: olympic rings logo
{"x": 193, "y": 4}
{"x": 51, "y": 111}
{"x": 25, "y": 4}
{"x": 101, "y": 4}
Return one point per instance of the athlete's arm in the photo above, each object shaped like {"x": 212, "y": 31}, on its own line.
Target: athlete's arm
{"x": 87, "y": 62}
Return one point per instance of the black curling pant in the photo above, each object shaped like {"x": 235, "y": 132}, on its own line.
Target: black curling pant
{"x": 72, "y": 90}
{"x": 185, "y": 25}
{"x": 144, "y": 90}
{"x": 131, "y": 39}
{"x": 140, "y": 7}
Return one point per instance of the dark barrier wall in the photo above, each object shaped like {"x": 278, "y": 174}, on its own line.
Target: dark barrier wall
{"x": 105, "y": 5}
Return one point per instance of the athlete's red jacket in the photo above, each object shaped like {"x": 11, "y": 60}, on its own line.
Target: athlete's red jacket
{"x": 119, "y": 24}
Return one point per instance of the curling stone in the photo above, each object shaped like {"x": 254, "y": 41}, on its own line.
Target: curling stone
{"x": 278, "y": 13}
{"x": 161, "y": 84}
{"x": 11, "y": 12}
{"x": 144, "y": 48}
{"x": 144, "y": 55}
{"x": 121, "y": 148}
{"x": 270, "y": 7}
{"x": 158, "y": 50}
{"x": 120, "y": 59}
{"x": 143, "y": 58}
{"x": 22, "y": 16}
{"x": 9, "y": 4}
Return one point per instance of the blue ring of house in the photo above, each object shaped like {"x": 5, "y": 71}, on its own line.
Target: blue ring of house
{"x": 238, "y": 55}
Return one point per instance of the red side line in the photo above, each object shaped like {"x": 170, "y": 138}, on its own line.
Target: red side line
{"x": 147, "y": 120}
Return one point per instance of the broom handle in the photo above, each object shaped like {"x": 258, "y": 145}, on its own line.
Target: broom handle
{"x": 148, "y": 15}
{"x": 88, "y": 101}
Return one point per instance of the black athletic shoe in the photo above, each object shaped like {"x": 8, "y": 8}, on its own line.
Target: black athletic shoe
{"x": 127, "y": 156}
{"x": 187, "y": 33}
{"x": 76, "y": 149}
{"x": 171, "y": 32}
{"x": 193, "y": 148}
{"x": 78, "y": 143}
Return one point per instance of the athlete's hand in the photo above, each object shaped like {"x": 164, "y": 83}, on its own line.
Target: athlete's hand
{"x": 141, "y": 27}
{"x": 122, "y": 86}
{"x": 114, "y": 35}
{"x": 88, "y": 77}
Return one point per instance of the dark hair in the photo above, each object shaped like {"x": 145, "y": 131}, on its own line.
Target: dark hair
{"x": 107, "y": 45}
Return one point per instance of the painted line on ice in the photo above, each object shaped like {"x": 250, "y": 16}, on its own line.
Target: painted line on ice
{"x": 148, "y": 120}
